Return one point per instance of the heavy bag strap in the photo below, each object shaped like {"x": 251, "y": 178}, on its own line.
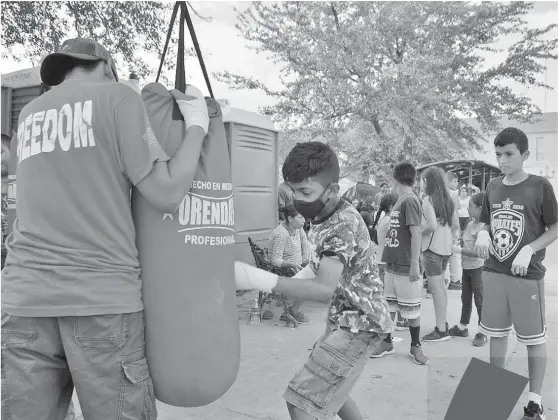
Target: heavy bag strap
{"x": 198, "y": 51}
{"x": 180, "y": 80}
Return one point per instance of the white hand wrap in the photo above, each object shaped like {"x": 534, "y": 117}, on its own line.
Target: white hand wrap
{"x": 194, "y": 109}
{"x": 483, "y": 239}
{"x": 248, "y": 277}
{"x": 305, "y": 273}
{"x": 523, "y": 258}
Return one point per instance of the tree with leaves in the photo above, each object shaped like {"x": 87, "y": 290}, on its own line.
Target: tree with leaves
{"x": 128, "y": 30}
{"x": 386, "y": 81}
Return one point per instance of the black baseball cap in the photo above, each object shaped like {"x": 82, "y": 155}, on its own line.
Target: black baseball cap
{"x": 54, "y": 65}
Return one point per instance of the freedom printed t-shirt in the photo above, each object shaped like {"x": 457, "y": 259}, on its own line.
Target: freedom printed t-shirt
{"x": 358, "y": 302}
{"x": 397, "y": 251}
{"x": 517, "y": 215}
{"x": 80, "y": 148}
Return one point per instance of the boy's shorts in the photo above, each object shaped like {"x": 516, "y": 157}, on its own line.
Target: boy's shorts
{"x": 103, "y": 356}
{"x": 434, "y": 264}
{"x": 325, "y": 381}
{"x": 513, "y": 301}
{"x": 402, "y": 295}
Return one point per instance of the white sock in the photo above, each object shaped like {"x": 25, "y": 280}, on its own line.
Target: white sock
{"x": 535, "y": 398}
{"x": 463, "y": 326}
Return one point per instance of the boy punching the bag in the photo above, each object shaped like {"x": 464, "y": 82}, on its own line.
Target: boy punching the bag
{"x": 343, "y": 272}
{"x": 72, "y": 312}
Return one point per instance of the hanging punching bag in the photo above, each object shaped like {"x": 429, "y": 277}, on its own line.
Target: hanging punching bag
{"x": 192, "y": 333}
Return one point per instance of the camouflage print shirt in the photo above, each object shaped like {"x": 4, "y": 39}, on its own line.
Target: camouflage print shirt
{"x": 358, "y": 302}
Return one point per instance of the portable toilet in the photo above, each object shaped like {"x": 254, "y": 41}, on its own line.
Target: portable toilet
{"x": 253, "y": 145}
{"x": 18, "y": 89}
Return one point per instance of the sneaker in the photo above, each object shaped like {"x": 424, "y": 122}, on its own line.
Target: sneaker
{"x": 533, "y": 411}
{"x": 300, "y": 317}
{"x": 417, "y": 355}
{"x": 455, "y": 331}
{"x": 480, "y": 340}
{"x": 383, "y": 349}
{"x": 402, "y": 325}
{"x": 437, "y": 335}
{"x": 455, "y": 285}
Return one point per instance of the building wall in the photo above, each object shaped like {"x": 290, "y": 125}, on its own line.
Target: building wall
{"x": 543, "y": 145}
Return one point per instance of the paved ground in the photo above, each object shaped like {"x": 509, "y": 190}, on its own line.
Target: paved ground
{"x": 392, "y": 387}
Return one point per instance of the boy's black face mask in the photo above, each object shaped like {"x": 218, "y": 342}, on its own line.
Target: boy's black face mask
{"x": 309, "y": 210}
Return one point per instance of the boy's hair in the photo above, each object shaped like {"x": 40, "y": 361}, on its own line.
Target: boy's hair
{"x": 451, "y": 176}
{"x": 435, "y": 188}
{"x": 512, "y": 135}
{"x": 405, "y": 173}
{"x": 311, "y": 159}
{"x": 478, "y": 199}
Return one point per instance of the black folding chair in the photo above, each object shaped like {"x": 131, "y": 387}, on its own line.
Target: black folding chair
{"x": 261, "y": 260}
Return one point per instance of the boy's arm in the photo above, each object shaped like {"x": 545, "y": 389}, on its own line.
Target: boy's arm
{"x": 317, "y": 289}
{"x": 546, "y": 239}
{"x": 521, "y": 262}
{"x": 414, "y": 273}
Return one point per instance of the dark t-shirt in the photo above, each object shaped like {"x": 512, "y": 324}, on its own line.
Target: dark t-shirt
{"x": 405, "y": 213}
{"x": 518, "y": 215}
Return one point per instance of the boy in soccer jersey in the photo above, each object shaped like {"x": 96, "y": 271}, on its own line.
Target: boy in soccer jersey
{"x": 344, "y": 274}
{"x": 519, "y": 212}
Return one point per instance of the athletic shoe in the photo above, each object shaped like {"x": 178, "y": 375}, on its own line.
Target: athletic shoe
{"x": 437, "y": 335}
{"x": 480, "y": 340}
{"x": 533, "y": 411}
{"x": 417, "y": 355}
{"x": 300, "y": 317}
{"x": 402, "y": 325}
{"x": 455, "y": 331}
{"x": 455, "y": 285}
{"x": 383, "y": 349}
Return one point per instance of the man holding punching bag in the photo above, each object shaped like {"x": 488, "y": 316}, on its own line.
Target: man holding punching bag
{"x": 342, "y": 272}
{"x": 72, "y": 312}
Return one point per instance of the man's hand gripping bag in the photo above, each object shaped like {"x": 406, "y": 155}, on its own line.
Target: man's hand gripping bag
{"x": 192, "y": 333}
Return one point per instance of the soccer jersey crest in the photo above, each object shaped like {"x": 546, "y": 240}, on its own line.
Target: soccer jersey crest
{"x": 507, "y": 227}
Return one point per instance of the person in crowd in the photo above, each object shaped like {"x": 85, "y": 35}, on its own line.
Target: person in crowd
{"x": 288, "y": 248}
{"x": 520, "y": 214}
{"x": 381, "y": 226}
{"x": 367, "y": 212}
{"x": 284, "y": 198}
{"x": 384, "y": 189}
{"x": 463, "y": 211}
{"x": 440, "y": 229}
{"x": 472, "y": 265}
{"x": 403, "y": 279}
{"x": 72, "y": 279}
{"x": 454, "y": 271}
